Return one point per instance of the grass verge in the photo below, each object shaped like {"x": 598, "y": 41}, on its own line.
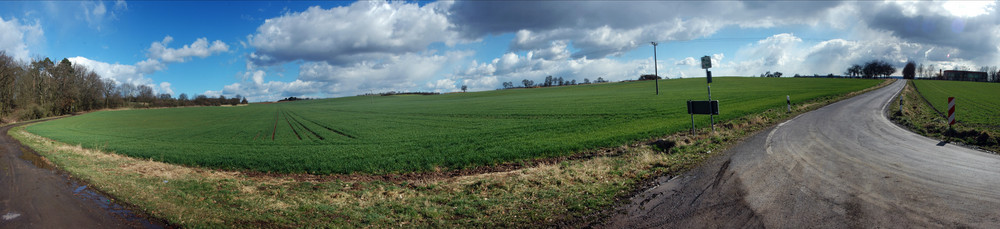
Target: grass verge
{"x": 547, "y": 194}
{"x": 918, "y": 116}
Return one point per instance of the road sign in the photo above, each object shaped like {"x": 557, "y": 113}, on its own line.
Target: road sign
{"x": 703, "y": 107}
{"x": 951, "y": 111}
{"x": 708, "y": 74}
{"x": 710, "y": 107}
{"x": 706, "y": 62}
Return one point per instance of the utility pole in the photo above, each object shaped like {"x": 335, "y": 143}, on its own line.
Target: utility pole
{"x": 656, "y": 72}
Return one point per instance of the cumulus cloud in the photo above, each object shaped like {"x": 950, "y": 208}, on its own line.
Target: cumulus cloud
{"x": 344, "y": 36}
{"x": 606, "y": 41}
{"x": 689, "y": 61}
{"x": 406, "y": 72}
{"x": 975, "y": 36}
{"x": 200, "y": 48}
{"x": 599, "y": 29}
{"x": 789, "y": 54}
{"x": 16, "y": 37}
{"x": 165, "y": 88}
{"x": 442, "y": 85}
{"x": 122, "y": 73}
{"x": 159, "y": 55}
{"x": 257, "y": 90}
{"x": 512, "y": 67}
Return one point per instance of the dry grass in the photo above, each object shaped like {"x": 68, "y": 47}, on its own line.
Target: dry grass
{"x": 200, "y": 197}
{"x": 921, "y": 118}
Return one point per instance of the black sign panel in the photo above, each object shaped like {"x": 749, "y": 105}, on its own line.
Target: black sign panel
{"x": 708, "y": 75}
{"x": 703, "y": 107}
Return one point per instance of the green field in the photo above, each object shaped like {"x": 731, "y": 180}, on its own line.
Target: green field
{"x": 389, "y": 134}
{"x": 975, "y": 102}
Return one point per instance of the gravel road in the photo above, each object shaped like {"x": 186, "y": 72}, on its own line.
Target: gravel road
{"x": 843, "y": 165}
{"x": 36, "y": 195}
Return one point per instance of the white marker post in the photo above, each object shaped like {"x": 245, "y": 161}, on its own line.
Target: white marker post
{"x": 788, "y": 100}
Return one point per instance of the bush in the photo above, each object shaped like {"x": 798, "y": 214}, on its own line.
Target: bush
{"x": 33, "y": 111}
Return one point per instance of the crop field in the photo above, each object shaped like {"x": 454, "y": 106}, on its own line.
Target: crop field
{"x": 975, "y": 102}
{"x": 393, "y": 134}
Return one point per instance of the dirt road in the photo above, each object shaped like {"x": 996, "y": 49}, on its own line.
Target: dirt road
{"x": 844, "y": 165}
{"x": 35, "y": 195}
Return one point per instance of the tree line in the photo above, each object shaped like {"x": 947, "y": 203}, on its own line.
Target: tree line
{"x": 879, "y": 68}
{"x": 550, "y": 81}
{"x": 871, "y": 69}
{"x": 43, "y": 88}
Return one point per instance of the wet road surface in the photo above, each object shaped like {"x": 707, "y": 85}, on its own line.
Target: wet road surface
{"x": 843, "y": 165}
{"x": 36, "y": 195}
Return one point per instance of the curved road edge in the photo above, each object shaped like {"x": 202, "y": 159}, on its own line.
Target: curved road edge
{"x": 841, "y": 165}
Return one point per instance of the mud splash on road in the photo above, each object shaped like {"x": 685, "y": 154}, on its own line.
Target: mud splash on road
{"x": 690, "y": 201}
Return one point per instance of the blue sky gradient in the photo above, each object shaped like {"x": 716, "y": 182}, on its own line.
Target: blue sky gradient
{"x": 269, "y": 50}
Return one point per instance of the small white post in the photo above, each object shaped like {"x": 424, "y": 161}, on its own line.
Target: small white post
{"x": 788, "y": 100}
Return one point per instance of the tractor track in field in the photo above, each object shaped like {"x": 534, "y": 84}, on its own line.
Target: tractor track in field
{"x": 331, "y": 129}
{"x": 277, "y": 115}
{"x": 292, "y": 127}
{"x": 297, "y": 121}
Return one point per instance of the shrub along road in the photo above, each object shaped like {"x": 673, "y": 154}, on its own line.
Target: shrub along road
{"x": 842, "y": 165}
{"x": 35, "y": 195}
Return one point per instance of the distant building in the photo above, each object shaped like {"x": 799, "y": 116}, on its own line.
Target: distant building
{"x": 964, "y": 75}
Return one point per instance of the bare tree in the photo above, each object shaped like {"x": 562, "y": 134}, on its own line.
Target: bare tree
{"x": 8, "y": 71}
{"x": 909, "y": 71}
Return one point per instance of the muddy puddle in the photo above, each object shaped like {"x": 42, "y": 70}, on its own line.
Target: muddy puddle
{"x": 86, "y": 193}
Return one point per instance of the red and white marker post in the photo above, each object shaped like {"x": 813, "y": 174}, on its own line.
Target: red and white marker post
{"x": 951, "y": 111}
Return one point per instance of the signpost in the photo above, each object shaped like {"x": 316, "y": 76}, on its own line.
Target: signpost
{"x": 951, "y": 111}
{"x": 706, "y": 63}
{"x": 710, "y": 107}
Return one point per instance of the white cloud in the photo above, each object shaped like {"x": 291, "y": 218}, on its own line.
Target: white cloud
{"x": 165, "y": 88}
{"x": 268, "y": 91}
{"x": 786, "y": 53}
{"x": 969, "y": 8}
{"x": 159, "y": 54}
{"x": 514, "y": 68}
{"x": 343, "y": 36}
{"x": 121, "y": 73}
{"x": 149, "y": 66}
{"x": 95, "y": 13}
{"x": 200, "y": 48}
{"x": 689, "y": 61}
{"x": 121, "y": 5}
{"x": 99, "y": 10}
{"x": 606, "y": 41}
{"x": 406, "y": 72}
{"x": 16, "y": 37}
{"x": 598, "y": 29}
{"x": 442, "y": 85}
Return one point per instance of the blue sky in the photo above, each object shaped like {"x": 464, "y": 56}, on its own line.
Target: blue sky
{"x": 270, "y": 50}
